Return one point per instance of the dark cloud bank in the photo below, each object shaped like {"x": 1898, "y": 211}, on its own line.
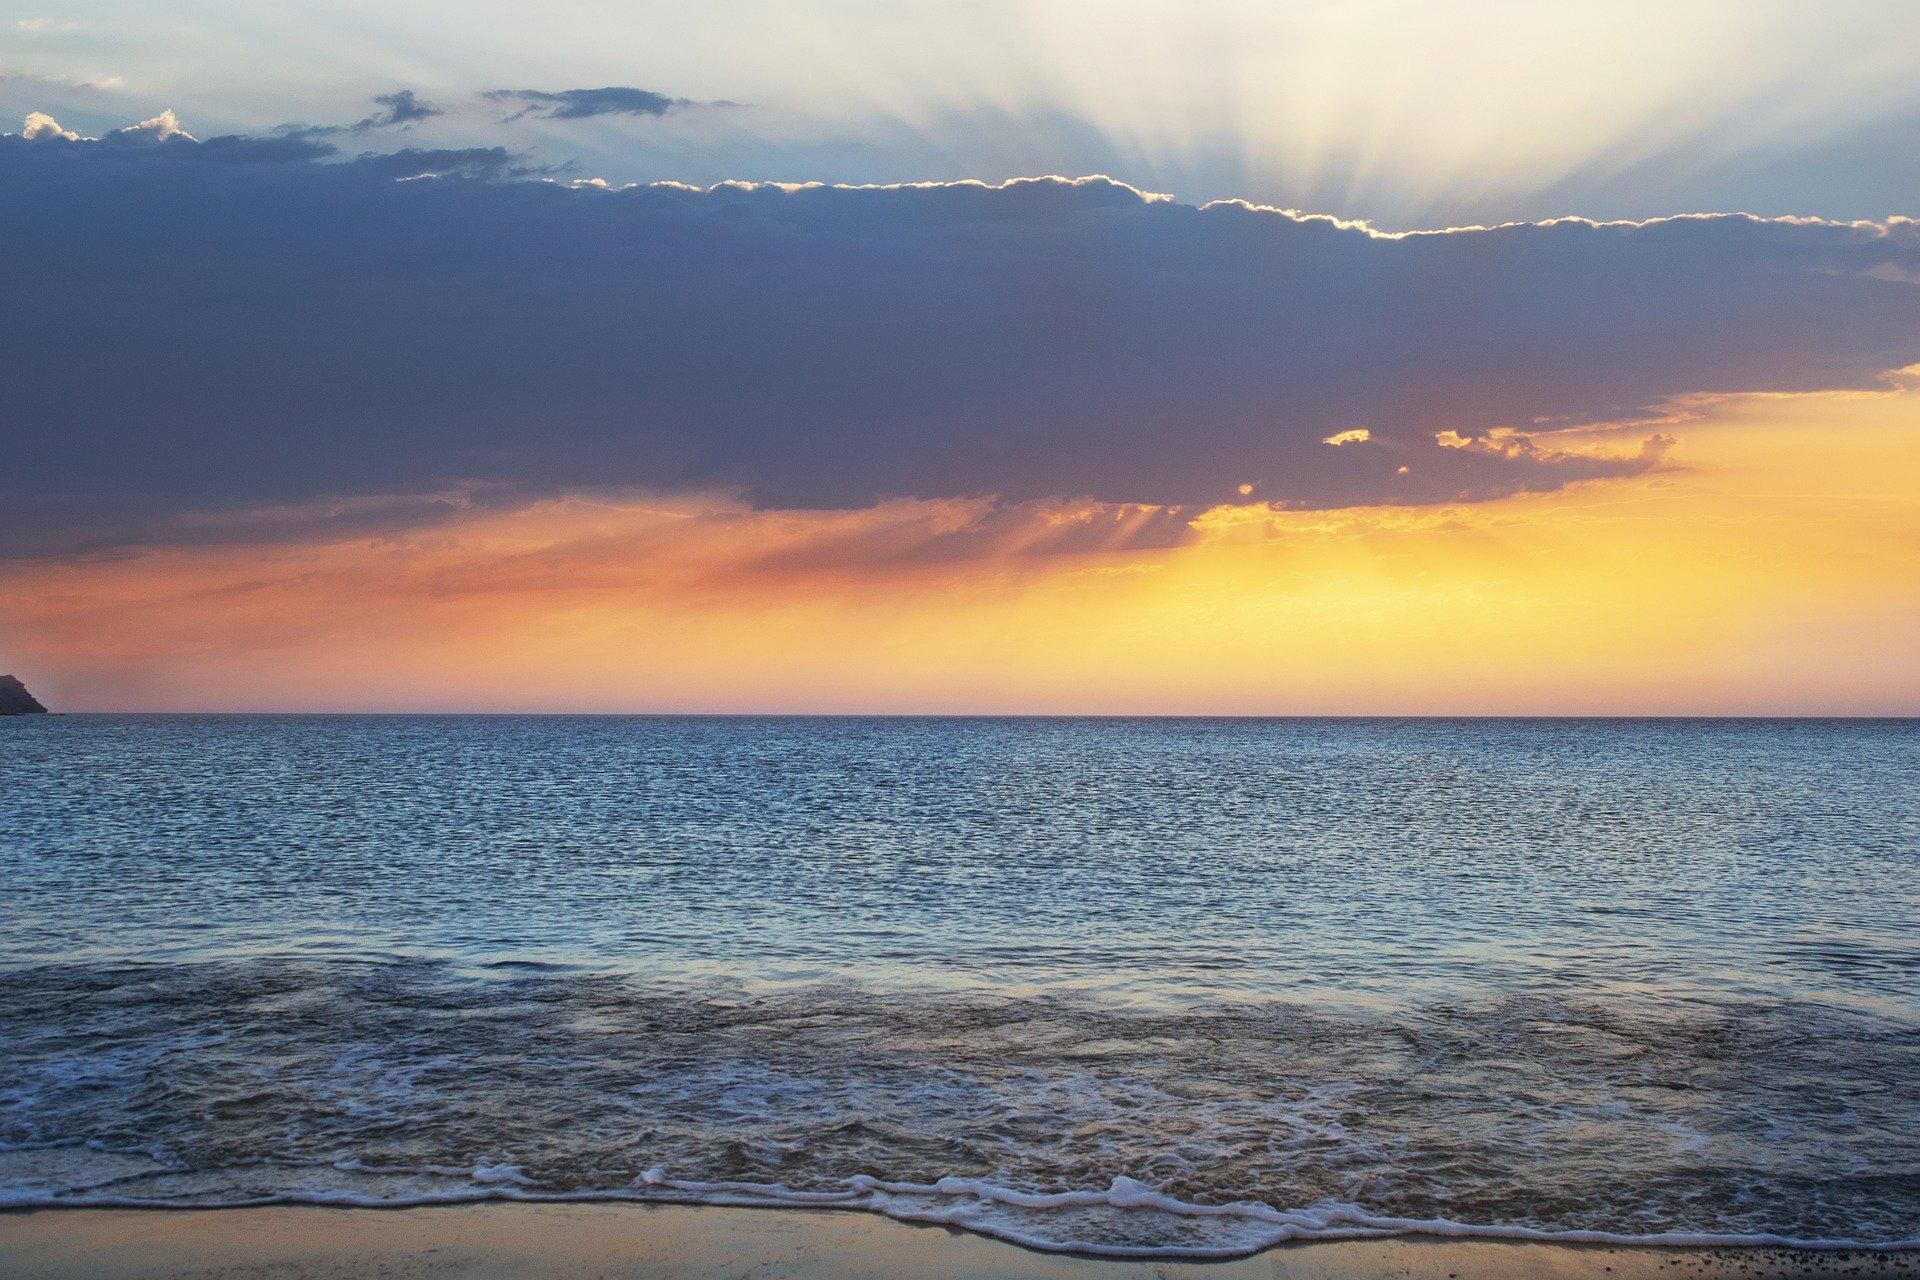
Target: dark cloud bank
{"x": 185, "y": 336}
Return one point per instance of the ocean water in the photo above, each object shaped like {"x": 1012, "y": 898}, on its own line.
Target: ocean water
{"x": 1180, "y": 987}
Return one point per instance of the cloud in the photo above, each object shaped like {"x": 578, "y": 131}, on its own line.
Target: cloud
{"x": 164, "y": 127}
{"x": 579, "y": 104}
{"x": 241, "y": 149}
{"x": 398, "y": 109}
{"x": 213, "y": 335}
{"x": 57, "y": 83}
{"x": 470, "y": 162}
{"x": 163, "y": 136}
{"x": 41, "y": 126}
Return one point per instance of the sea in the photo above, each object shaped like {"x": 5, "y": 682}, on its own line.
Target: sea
{"x": 1144, "y": 987}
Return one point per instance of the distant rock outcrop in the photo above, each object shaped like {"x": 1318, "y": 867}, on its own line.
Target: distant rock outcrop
{"x": 16, "y": 701}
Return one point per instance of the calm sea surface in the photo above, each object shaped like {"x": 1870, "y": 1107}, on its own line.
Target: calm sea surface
{"x": 1178, "y": 986}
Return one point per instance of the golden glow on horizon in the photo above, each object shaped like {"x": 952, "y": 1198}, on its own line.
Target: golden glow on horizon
{"x": 1773, "y": 567}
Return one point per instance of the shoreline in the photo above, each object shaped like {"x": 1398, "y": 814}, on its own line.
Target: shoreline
{"x": 502, "y": 1238}
{"x": 1293, "y": 1228}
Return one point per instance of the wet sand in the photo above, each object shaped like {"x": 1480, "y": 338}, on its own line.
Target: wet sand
{"x": 640, "y": 1242}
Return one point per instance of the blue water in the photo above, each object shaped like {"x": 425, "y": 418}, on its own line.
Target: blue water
{"x": 1074, "y": 982}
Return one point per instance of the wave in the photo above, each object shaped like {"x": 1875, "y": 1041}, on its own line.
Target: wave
{"x": 1616, "y": 1121}
{"x": 1129, "y": 1219}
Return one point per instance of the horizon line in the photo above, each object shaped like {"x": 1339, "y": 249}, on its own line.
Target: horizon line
{"x": 1913, "y": 715}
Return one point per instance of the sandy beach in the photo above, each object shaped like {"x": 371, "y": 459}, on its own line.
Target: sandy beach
{"x": 480, "y": 1242}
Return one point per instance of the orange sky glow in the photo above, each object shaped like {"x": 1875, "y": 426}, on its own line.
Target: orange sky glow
{"x": 1772, "y": 566}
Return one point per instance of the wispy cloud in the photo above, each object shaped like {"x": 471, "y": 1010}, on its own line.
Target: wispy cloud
{"x": 579, "y": 104}
{"x": 84, "y": 85}
{"x": 396, "y": 110}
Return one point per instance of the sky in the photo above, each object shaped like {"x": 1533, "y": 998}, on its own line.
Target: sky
{"x": 1360, "y": 358}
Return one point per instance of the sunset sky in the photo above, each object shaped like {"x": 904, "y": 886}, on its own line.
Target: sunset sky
{"x": 1401, "y": 358}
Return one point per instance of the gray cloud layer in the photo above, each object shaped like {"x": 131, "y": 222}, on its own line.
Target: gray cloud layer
{"x": 192, "y": 336}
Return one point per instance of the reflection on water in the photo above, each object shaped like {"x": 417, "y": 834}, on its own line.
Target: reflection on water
{"x": 1624, "y": 977}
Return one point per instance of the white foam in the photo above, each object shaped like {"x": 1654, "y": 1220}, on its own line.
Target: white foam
{"x": 1156, "y": 1225}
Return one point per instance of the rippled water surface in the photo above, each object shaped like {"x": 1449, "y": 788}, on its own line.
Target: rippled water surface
{"x": 1182, "y": 986}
